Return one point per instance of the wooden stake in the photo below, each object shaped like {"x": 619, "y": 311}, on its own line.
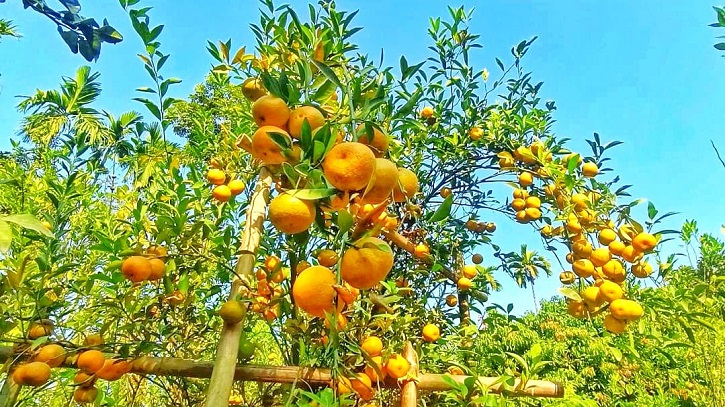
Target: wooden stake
{"x": 409, "y": 392}
{"x": 222, "y": 376}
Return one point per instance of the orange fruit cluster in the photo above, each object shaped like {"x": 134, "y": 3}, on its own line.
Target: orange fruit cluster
{"x": 269, "y": 290}
{"x": 147, "y": 267}
{"x": 223, "y": 190}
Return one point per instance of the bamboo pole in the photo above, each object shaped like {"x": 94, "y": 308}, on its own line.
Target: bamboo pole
{"x": 146, "y": 365}
{"x": 409, "y": 392}
{"x": 222, "y": 376}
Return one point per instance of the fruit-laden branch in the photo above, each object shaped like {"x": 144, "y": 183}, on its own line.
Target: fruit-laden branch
{"x": 315, "y": 376}
{"x": 222, "y": 377}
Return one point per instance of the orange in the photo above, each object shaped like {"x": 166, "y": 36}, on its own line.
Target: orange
{"x": 158, "y": 251}
{"x": 524, "y": 155}
{"x": 607, "y": 236}
{"x": 269, "y": 110}
{"x": 577, "y": 309}
{"x": 362, "y": 385}
{"x": 614, "y": 270}
{"x": 445, "y": 193}
{"x": 578, "y": 158}
{"x": 231, "y": 312}
{"x": 407, "y": 185}
{"x": 642, "y": 269}
{"x": 521, "y": 217}
{"x": 136, "y": 268}
{"x": 526, "y": 179}
{"x": 370, "y": 369}
{"x": 367, "y": 263}
{"x": 490, "y": 227}
{"x": 590, "y": 169}
{"x": 600, "y": 256}
{"x": 215, "y": 176}
{"x": 470, "y": 271}
{"x": 349, "y": 166}
{"x": 397, "y": 366}
{"x": 313, "y": 291}
{"x": 630, "y": 254}
{"x": 313, "y": 116}
{"x": 580, "y": 201}
{"x": 32, "y": 374}
{"x": 158, "y": 268}
{"x": 85, "y": 395}
{"x": 573, "y": 225}
{"x": 477, "y": 258}
{"x": 533, "y": 202}
{"x": 567, "y": 277}
{"x": 505, "y": 160}
{"x": 290, "y": 214}
{"x": 264, "y": 148}
{"x": 327, "y": 258}
{"x": 83, "y": 379}
{"x": 520, "y": 194}
{"x": 431, "y": 333}
{"x": 384, "y": 180}
{"x": 581, "y": 248}
{"x": 644, "y": 242}
{"x": 221, "y": 193}
{"x": 53, "y": 355}
{"x": 37, "y": 329}
{"x": 590, "y": 295}
{"x": 518, "y": 204}
{"x": 90, "y": 361}
{"x": 236, "y": 186}
{"x": 464, "y": 284}
{"x": 253, "y": 89}
{"x": 614, "y": 325}
{"x": 627, "y": 310}
{"x": 610, "y": 291}
{"x": 475, "y": 133}
{"x": 378, "y": 143}
{"x": 427, "y": 112}
{"x": 113, "y": 369}
{"x": 532, "y": 213}
{"x": 550, "y": 190}
{"x": 93, "y": 340}
{"x": 583, "y": 268}
{"x": 451, "y": 300}
{"x": 616, "y": 247}
{"x": 372, "y": 345}
{"x": 421, "y": 250}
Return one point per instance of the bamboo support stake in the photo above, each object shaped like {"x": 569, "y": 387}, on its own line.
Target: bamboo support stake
{"x": 409, "y": 392}
{"x": 146, "y": 365}
{"x": 222, "y": 376}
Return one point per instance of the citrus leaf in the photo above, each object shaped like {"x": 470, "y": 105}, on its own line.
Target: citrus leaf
{"x": 6, "y": 236}
{"x": 443, "y": 211}
{"x": 28, "y": 221}
{"x": 312, "y": 194}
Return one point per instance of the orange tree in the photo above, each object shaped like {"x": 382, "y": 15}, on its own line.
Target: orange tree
{"x": 127, "y": 232}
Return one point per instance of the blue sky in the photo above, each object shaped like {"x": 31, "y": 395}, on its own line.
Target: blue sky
{"x": 642, "y": 72}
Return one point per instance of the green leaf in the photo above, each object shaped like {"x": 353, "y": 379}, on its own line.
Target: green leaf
{"x": 651, "y": 211}
{"x": 28, "y": 221}
{"x": 329, "y": 73}
{"x": 6, "y": 236}
{"x": 312, "y": 194}
{"x": 444, "y": 210}
{"x": 345, "y": 221}
{"x": 570, "y": 293}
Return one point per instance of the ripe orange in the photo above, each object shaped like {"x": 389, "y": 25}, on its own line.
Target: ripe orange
{"x": 37, "y": 329}
{"x": 532, "y": 213}
{"x": 349, "y": 166}
{"x": 614, "y": 270}
{"x": 451, "y": 300}
{"x": 113, "y": 369}
{"x": 573, "y": 225}
{"x": 581, "y": 248}
{"x": 221, "y": 193}
{"x": 445, "y": 193}
{"x": 583, "y": 268}
{"x": 591, "y": 297}
{"x": 90, "y": 361}
{"x": 32, "y": 374}
{"x": 490, "y": 227}
{"x": 216, "y": 176}
{"x": 158, "y": 268}
{"x": 372, "y": 345}
{"x": 524, "y": 155}
{"x": 614, "y": 325}
{"x": 533, "y": 202}
{"x": 407, "y": 185}
{"x": 83, "y": 379}
{"x": 85, "y": 395}
{"x": 627, "y": 310}
{"x": 382, "y": 183}
{"x": 520, "y": 194}
{"x": 580, "y": 201}
{"x": 378, "y": 143}
{"x": 431, "y": 333}
{"x": 610, "y": 291}
{"x": 607, "y": 236}
{"x": 290, "y": 214}
{"x": 421, "y": 250}
{"x": 253, "y": 89}
{"x": 314, "y": 118}
{"x": 521, "y": 217}
{"x": 464, "y": 284}
{"x": 616, "y": 247}
{"x": 264, "y": 148}
{"x": 397, "y": 366}
{"x": 475, "y": 133}
{"x": 327, "y": 258}
{"x": 470, "y": 271}
{"x": 577, "y": 309}
{"x": 53, "y": 355}
{"x": 526, "y": 179}
{"x": 505, "y": 160}
{"x": 590, "y": 169}
{"x": 313, "y": 291}
{"x": 630, "y": 254}
{"x": 427, "y": 112}
{"x": 236, "y": 186}
{"x": 642, "y": 269}
{"x": 644, "y": 242}
{"x": 600, "y": 256}
{"x": 136, "y": 268}
{"x": 269, "y": 110}
{"x": 370, "y": 369}
{"x": 518, "y": 204}
{"x": 477, "y": 258}
{"x": 362, "y": 385}
{"x": 367, "y": 263}
{"x": 567, "y": 277}
{"x": 158, "y": 251}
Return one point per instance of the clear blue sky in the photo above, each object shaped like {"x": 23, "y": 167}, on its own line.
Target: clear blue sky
{"x": 643, "y": 72}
